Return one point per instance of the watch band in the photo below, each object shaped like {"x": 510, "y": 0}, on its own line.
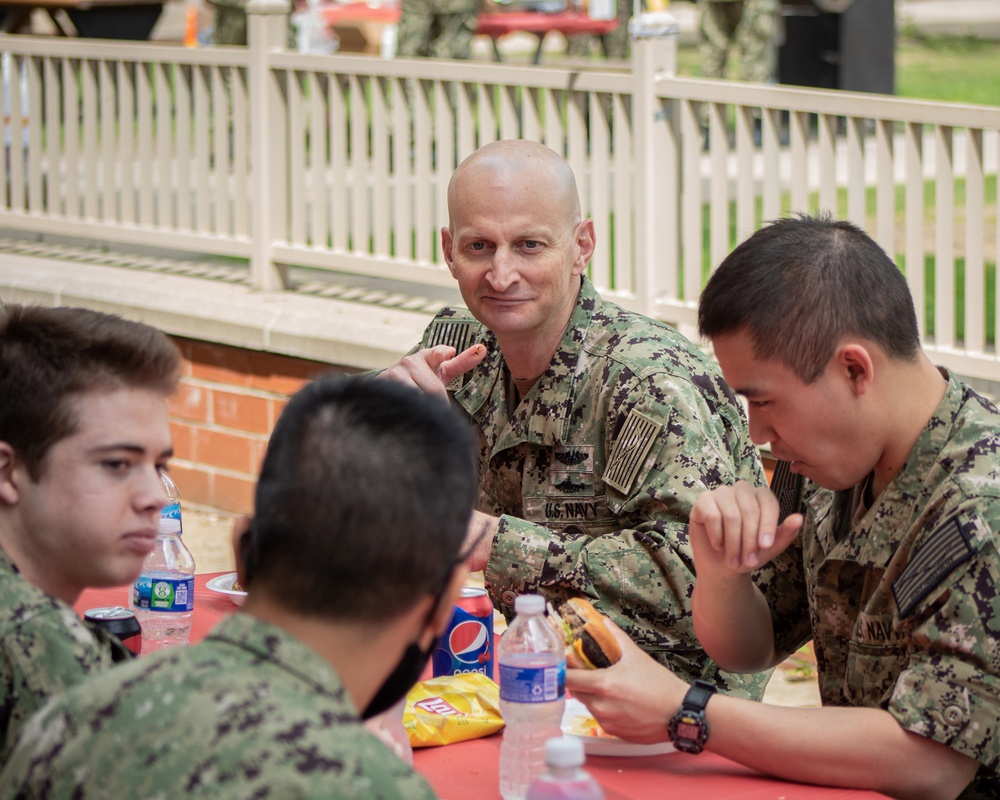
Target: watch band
{"x": 697, "y": 696}
{"x": 688, "y": 729}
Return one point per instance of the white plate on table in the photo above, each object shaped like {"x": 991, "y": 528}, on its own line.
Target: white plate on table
{"x": 580, "y": 724}
{"x": 223, "y": 584}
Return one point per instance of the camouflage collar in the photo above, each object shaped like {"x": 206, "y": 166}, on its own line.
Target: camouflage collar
{"x": 279, "y": 647}
{"x": 872, "y": 542}
{"x": 542, "y": 417}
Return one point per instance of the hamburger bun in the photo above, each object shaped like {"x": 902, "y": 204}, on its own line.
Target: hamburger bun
{"x": 589, "y": 642}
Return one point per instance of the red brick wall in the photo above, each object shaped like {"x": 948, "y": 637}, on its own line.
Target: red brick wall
{"x": 222, "y": 415}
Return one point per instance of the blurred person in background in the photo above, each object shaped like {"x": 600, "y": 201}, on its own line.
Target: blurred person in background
{"x": 83, "y": 439}
{"x": 437, "y": 28}
{"x": 738, "y": 39}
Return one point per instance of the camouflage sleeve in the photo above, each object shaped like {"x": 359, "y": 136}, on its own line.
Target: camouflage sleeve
{"x": 949, "y": 690}
{"x": 43, "y": 658}
{"x": 641, "y": 573}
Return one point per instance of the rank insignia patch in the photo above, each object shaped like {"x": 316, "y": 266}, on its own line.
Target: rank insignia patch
{"x": 946, "y": 548}
{"x": 631, "y": 447}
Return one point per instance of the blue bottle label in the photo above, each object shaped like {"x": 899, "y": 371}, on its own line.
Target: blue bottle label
{"x": 163, "y": 594}
{"x": 532, "y": 684}
{"x": 173, "y": 511}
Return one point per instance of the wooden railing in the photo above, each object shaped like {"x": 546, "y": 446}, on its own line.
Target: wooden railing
{"x": 341, "y": 163}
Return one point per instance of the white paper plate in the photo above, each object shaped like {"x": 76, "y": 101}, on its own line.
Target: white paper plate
{"x": 576, "y": 717}
{"x": 223, "y": 584}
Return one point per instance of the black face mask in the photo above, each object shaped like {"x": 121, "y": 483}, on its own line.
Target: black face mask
{"x": 400, "y": 680}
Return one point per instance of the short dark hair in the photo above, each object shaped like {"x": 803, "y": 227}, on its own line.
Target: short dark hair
{"x": 48, "y": 356}
{"x": 364, "y": 499}
{"x": 800, "y": 285}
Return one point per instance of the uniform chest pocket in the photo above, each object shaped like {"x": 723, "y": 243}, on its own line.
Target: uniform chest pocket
{"x": 876, "y": 655}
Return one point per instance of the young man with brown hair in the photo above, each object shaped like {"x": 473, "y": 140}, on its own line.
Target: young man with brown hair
{"x": 83, "y": 439}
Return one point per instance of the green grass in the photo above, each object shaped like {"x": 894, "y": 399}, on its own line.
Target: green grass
{"x": 951, "y": 68}
{"x": 957, "y": 69}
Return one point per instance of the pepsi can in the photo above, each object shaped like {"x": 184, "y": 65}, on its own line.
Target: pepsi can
{"x": 467, "y": 644}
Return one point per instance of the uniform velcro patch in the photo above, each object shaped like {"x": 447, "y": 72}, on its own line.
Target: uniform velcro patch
{"x": 946, "y": 548}
{"x": 459, "y": 334}
{"x": 636, "y": 437}
{"x": 786, "y": 486}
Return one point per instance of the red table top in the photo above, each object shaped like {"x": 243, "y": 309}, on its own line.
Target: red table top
{"x": 471, "y": 769}
{"x": 566, "y": 22}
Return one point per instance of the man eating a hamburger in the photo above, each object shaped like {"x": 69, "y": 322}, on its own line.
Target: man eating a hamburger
{"x": 883, "y": 542}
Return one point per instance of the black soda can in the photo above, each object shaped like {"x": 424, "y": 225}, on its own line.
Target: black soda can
{"x": 120, "y": 622}
{"x": 467, "y": 645}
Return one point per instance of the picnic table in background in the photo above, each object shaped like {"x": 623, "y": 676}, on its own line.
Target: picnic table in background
{"x": 359, "y": 25}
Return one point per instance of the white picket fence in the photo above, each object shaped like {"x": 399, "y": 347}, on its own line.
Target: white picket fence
{"x": 341, "y": 163}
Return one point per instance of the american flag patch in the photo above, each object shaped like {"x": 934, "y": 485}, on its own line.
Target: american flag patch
{"x": 946, "y": 548}
{"x": 631, "y": 447}
{"x": 459, "y": 334}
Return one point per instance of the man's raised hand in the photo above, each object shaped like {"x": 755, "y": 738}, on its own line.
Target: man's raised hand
{"x": 432, "y": 369}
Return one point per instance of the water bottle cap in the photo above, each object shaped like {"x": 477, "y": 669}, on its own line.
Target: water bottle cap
{"x": 168, "y": 525}
{"x": 529, "y": 604}
{"x": 565, "y": 751}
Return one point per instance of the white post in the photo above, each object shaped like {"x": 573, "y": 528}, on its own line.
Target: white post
{"x": 266, "y": 32}
{"x": 657, "y": 237}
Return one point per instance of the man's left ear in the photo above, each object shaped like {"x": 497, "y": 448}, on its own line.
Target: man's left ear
{"x": 8, "y": 478}
{"x": 241, "y": 538}
{"x": 857, "y": 364}
{"x": 586, "y": 241}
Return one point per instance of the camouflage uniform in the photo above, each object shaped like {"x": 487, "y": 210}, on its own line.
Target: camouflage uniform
{"x": 249, "y": 712}
{"x": 45, "y": 648}
{"x": 745, "y": 31}
{"x": 594, "y": 473}
{"x": 901, "y": 599}
{"x": 230, "y": 23}
{"x": 437, "y": 28}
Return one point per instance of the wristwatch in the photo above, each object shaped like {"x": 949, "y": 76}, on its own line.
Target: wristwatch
{"x": 687, "y": 728}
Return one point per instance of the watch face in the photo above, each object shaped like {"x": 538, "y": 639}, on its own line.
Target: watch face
{"x": 688, "y": 729}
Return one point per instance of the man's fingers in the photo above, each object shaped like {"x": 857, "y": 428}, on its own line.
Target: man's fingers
{"x": 787, "y": 532}
{"x": 420, "y": 370}
{"x": 462, "y": 363}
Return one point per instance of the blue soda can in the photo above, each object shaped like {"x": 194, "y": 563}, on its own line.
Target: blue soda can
{"x": 467, "y": 644}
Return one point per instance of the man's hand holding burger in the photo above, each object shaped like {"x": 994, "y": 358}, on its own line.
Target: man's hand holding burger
{"x": 633, "y": 698}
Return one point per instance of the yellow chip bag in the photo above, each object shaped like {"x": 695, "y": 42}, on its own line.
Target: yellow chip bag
{"x": 452, "y": 708}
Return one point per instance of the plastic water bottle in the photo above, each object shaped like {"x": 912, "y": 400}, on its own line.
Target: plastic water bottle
{"x": 565, "y": 778}
{"x": 172, "y": 510}
{"x": 532, "y": 694}
{"x": 163, "y": 595}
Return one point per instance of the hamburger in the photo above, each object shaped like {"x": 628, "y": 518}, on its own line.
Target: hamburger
{"x": 589, "y": 642}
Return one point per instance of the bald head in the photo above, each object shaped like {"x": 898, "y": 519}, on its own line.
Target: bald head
{"x": 536, "y": 170}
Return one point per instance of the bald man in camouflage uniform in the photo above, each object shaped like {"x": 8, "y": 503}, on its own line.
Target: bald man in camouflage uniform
{"x": 337, "y": 624}
{"x": 597, "y": 426}
{"x": 437, "y": 28}
{"x": 882, "y": 530}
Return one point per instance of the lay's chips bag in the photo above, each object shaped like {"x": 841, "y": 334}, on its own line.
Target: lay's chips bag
{"x": 452, "y": 708}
